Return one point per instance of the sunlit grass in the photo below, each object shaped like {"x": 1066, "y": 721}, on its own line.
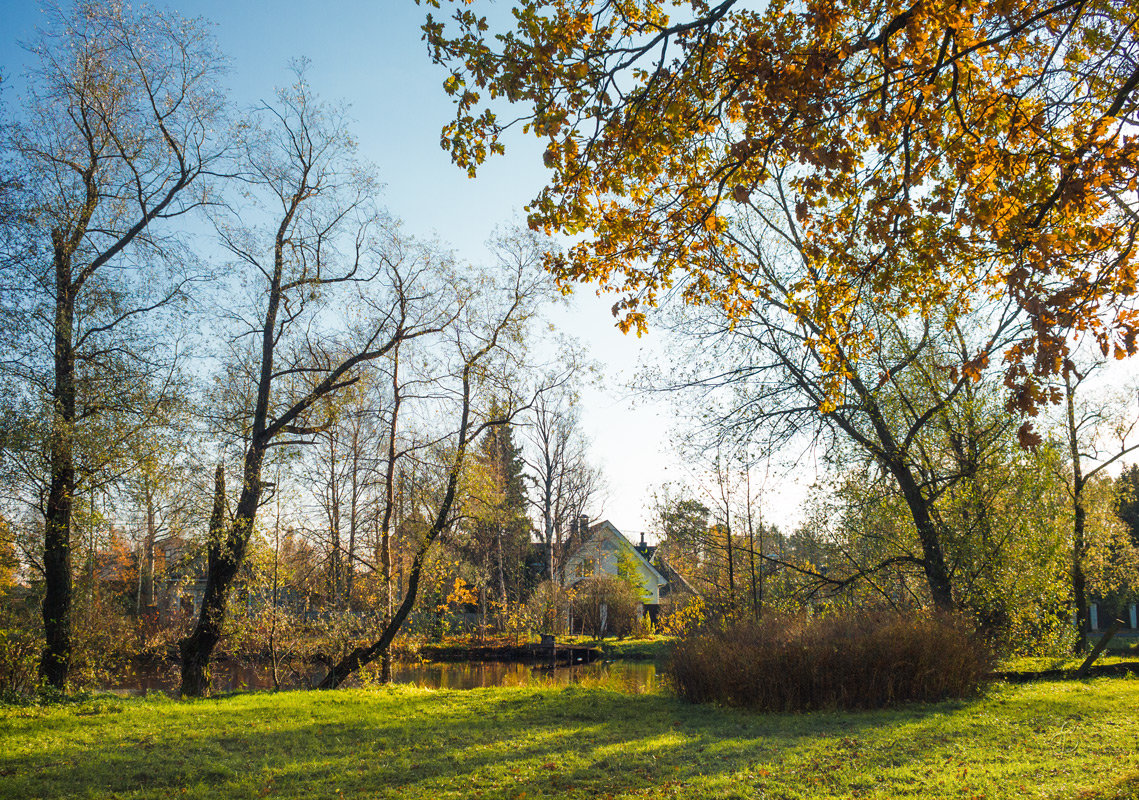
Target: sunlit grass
{"x": 1050, "y": 740}
{"x": 650, "y": 649}
{"x": 1041, "y": 663}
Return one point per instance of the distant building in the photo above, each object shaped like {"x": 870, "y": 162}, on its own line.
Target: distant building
{"x": 600, "y": 549}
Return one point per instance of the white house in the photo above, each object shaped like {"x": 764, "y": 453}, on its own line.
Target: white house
{"x": 600, "y": 549}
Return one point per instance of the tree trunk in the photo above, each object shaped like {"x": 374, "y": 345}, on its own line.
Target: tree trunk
{"x": 762, "y": 567}
{"x": 548, "y": 513}
{"x": 274, "y": 657}
{"x": 56, "y": 660}
{"x": 731, "y": 564}
{"x": 146, "y": 568}
{"x": 1079, "y": 581}
{"x": 933, "y": 558}
{"x": 390, "y": 500}
{"x": 332, "y": 509}
{"x": 386, "y": 560}
{"x": 1079, "y": 523}
{"x": 751, "y": 558}
{"x": 197, "y": 647}
{"x": 353, "y": 504}
{"x": 502, "y": 597}
{"x": 225, "y": 554}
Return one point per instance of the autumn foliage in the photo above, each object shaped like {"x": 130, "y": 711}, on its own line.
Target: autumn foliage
{"x": 897, "y": 150}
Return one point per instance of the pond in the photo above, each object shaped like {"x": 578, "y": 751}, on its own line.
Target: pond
{"x": 633, "y": 677}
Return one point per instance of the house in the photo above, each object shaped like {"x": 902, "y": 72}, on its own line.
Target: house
{"x": 676, "y": 586}
{"x": 1102, "y": 614}
{"x": 601, "y": 549}
{"x": 180, "y": 578}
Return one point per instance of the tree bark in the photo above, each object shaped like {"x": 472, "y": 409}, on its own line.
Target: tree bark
{"x": 933, "y": 557}
{"x": 196, "y": 648}
{"x": 226, "y": 552}
{"x": 353, "y": 510}
{"x": 1079, "y": 524}
{"x": 56, "y": 660}
{"x": 146, "y": 568}
{"x": 389, "y": 510}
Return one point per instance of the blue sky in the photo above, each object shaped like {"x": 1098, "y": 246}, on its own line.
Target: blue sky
{"x": 370, "y": 55}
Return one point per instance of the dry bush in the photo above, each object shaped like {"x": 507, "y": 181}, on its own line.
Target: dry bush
{"x": 548, "y": 608}
{"x": 605, "y": 605}
{"x": 844, "y": 660}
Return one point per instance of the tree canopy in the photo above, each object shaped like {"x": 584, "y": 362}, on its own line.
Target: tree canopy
{"x": 902, "y": 148}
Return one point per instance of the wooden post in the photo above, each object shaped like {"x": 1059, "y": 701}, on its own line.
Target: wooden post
{"x": 550, "y": 642}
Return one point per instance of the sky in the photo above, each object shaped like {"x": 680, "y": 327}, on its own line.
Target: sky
{"x": 370, "y": 55}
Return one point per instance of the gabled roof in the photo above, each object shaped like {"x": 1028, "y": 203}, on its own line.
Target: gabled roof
{"x": 675, "y": 579}
{"x": 605, "y": 529}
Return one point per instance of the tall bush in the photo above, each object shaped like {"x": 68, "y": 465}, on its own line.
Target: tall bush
{"x": 605, "y": 605}
{"x": 846, "y": 660}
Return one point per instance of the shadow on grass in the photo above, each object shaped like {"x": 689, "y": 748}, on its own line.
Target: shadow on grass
{"x": 1126, "y": 788}
{"x": 489, "y": 743}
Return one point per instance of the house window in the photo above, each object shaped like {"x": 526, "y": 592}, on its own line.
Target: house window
{"x": 585, "y": 568}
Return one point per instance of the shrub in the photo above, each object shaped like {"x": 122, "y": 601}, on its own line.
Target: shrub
{"x": 679, "y": 617}
{"x": 643, "y": 629}
{"x": 19, "y": 661}
{"x": 844, "y": 660}
{"x": 605, "y": 605}
{"x": 548, "y": 608}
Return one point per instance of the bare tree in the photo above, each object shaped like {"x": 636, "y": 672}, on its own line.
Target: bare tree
{"x": 1099, "y": 432}
{"x": 115, "y": 140}
{"x": 760, "y": 389}
{"x": 564, "y": 481}
{"x": 334, "y": 287}
{"x": 484, "y": 354}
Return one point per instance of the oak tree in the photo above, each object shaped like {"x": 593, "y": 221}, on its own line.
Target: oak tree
{"x": 920, "y": 145}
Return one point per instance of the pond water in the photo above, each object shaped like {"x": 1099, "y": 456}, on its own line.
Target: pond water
{"x": 633, "y": 677}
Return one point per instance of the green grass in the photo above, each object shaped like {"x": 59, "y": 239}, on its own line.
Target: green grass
{"x": 652, "y": 649}
{"x": 1050, "y": 740}
{"x": 1041, "y": 663}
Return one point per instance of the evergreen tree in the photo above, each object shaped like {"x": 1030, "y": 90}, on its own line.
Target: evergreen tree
{"x": 501, "y": 528}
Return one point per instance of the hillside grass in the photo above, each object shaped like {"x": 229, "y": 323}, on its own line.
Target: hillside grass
{"x": 1050, "y": 740}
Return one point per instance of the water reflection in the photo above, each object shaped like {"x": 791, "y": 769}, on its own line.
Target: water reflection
{"x": 623, "y": 676}
{"x": 631, "y": 677}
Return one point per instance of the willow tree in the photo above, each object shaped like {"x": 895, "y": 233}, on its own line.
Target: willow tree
{"x": 113, "y": 142}
{"x": 921, "y": 146}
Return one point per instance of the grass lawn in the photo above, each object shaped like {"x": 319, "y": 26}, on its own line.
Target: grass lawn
{"x": 654, "y": 648}
{"x": 1058, "y": 740}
